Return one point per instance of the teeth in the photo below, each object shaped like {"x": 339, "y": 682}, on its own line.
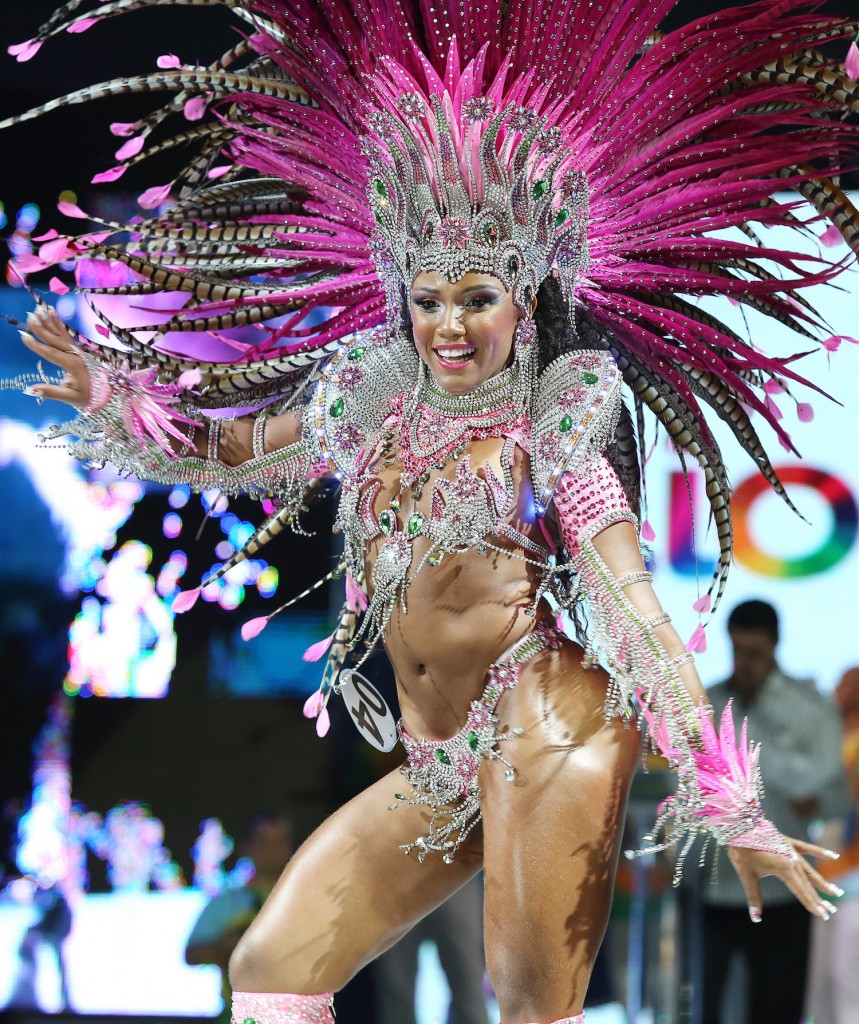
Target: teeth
{"x": 456, "y": 354}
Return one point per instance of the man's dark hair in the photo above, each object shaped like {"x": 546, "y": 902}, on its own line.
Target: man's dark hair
{"x": 755, "y": 615}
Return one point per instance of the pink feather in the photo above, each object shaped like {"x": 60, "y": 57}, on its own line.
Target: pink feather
{"x": 702, "y": 605}
{"x": 154, "y": 196}
{"x": 77, "y": 27}
{"x": 68, "y": 209}
{"x": 647, "y": 532}
{"x": 58, "y": 287}
{"x": 313, "y": 705}
{"x": 355, "y": 596}
{"x": 697, "y": 643}
{"x": 315, "y": 651}
{"x": 24, "y": 51}
{"x": 112, "y": 174}
{"x": 805, "y": 412}
{"x": 323, "y": 723}
{"x": 185, "y": 600}
{"x": 130, "y": 148}
{"x": 253, "y": 627}
{"x": 851, "y": 65}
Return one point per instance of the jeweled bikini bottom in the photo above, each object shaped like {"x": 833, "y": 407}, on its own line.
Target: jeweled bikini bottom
{"x": 442, "y": 774}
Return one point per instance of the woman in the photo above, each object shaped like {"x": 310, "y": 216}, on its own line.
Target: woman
{"x": 480, "y": 444}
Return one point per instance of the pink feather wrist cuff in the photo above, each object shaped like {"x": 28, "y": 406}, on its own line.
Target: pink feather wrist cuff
{"x": 719, "y": 792}
{"x": 99, "y": 388}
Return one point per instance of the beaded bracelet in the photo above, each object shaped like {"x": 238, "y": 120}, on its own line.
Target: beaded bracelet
{"x": 660, "y": 619}
{"x": 258, "y": 437}
{"x": 214, "y": 439}
{"x": 628, "y": 578}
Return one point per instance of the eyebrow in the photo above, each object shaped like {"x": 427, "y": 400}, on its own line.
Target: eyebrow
{"x": 427, "y": 290}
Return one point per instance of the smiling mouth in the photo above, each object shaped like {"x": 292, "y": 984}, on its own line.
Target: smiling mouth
{"x": 451, "y": 358}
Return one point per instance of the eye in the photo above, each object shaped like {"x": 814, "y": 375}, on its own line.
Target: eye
{"x": 427, "y": 305}
{"x": 480, "y": 301}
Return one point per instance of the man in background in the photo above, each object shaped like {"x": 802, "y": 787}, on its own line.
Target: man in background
{"x": 267, "y": 841}
{"x": 801, "y": 766}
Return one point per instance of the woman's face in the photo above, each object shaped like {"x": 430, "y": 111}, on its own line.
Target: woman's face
{"x": 463, "y": 331}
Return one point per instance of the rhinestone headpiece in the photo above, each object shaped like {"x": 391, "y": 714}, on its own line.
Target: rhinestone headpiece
{"x": 465, "y": 185}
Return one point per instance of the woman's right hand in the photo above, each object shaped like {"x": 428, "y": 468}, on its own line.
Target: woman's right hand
{"x": 48, "y": 338}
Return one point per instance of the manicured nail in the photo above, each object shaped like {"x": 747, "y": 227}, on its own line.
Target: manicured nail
{"x": 830, "y": 907}
{"x": 836, "y": 890}
{"x": 832, "y": 855}
{"x": 33, "y": 392}
{"x": 822, "y": 912}
{"x": 755, "y": 915}
{"x": 26, "y": 335}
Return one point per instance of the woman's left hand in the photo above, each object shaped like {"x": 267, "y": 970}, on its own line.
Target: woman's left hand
{"x": 48, "y": 338}
{"x": 803, "y": 880}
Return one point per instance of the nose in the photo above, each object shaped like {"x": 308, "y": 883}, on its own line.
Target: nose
{"x": 451, "y": 325}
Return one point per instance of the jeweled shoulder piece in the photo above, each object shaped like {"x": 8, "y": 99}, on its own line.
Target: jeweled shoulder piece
{"x": 355, "y": 393}
{"x": 480, "y": 185}
{"x": 575, "y": 412}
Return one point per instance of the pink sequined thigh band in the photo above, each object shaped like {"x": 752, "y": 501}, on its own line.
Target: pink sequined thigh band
{"x": 442, "y": 774}
{"x": 578, "y": 1019}
{"x": 282, "y": 1008}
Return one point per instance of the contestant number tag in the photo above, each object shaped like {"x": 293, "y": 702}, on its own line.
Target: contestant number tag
{"x": 368, "y": 709}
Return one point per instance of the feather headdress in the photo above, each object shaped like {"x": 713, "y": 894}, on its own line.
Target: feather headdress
{"x": 678, "y": 137}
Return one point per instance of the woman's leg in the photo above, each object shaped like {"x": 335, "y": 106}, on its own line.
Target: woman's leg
{"x": 347, "y": 895}
{"x": 552, "y": 836}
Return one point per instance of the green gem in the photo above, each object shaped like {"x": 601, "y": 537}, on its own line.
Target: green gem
{"x": 561, "y": 218}
{"x": 442, "y": 756}
{"x": 395, "y": 503}
{"x": 356, "y": 353}
{"x": 540, "y": 188}
{"x": 415, "y": 523}
{"x": 434, "y": 559}
{"x": 400, "y": 796}
{"x": 386, "y": 521}
{"x": 249, "y": 1020}
{"x": 472, "y": 740}
{"x": 565, "y": 424}
{"x": 589, "y": 378}
{"x": 380, "y": 187}
{"x": 490, "y": 233}
{"x": 378, "y": 218}
{"x": 336, "y": 408}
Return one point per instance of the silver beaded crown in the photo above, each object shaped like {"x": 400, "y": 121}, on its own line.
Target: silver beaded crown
{"x": 490, "y": 191}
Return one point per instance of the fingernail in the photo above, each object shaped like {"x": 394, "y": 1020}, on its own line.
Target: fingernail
{"x": 27, "y": 335}
{"x": 832, "y": 855}
{"x": 33, "y": 392}
{"x": 836, "y": 890}
{"x": 755, "y": 915}
{"x": 830, "y": 907}
{"x": 821, "y": 910}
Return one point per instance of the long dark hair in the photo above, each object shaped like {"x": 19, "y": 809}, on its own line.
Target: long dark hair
{"x": 558, "y": 332}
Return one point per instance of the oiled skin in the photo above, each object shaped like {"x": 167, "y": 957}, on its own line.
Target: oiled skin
{"x": 549, "y": 840}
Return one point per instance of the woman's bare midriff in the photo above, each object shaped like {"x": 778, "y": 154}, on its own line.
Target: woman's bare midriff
{"x": 464, "y": 613}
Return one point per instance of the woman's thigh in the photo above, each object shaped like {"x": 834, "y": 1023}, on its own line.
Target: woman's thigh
{"x": 346, "y": 896}
{"x": 552, "y": 836}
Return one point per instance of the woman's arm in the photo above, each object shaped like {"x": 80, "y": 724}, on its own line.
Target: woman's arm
{"x": 719, "y": 785}
{"x": 133, "y": 421}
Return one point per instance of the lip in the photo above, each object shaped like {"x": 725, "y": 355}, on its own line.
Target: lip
{"x": 455, "y": 364}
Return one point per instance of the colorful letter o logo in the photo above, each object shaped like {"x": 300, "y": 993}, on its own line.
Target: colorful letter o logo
{"x": 845, "y": 523}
